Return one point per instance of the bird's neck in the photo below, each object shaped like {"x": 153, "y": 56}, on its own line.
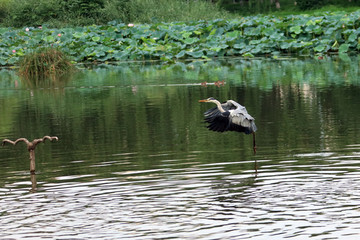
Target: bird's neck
{"x": 218, "y": 104}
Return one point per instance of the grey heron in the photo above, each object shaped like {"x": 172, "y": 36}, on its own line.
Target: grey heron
{"x": 229, "y": 116}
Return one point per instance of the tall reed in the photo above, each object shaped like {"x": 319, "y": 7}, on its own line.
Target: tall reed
{"x": 45, "y": 62}
{"x": 150, "y": 11}
{"x": 63, "y": 13}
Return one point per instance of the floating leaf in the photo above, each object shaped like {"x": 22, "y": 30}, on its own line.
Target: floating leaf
{"x": 310, "y": 22}
{"x": 344, "y": 48}
{"x": 48, "y": 39}
{"x": 78, "y": 34}
{"x": 190, "y": 41}
{"x": 196, "y": 54}
{"x": 186, "y": 34}
{"x": 239, "y": 45}
{"x": 353, "y": 37}
{"x": 296, "y": 29}
{"x": 95, "y": 39}
{"x": 180, "y": 54}
{"x": 212, "y": 32}
{"x": 248, "y": 55}
{"x": 232, "y": 35}
{"x": 285, "y": 45}
{"x": 255, "y": 35}
{"x": 320, "y": 48}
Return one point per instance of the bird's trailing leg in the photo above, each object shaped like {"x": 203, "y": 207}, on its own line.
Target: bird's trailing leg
{"x": 254, "y": 147}
{"x": 254, "y": 144}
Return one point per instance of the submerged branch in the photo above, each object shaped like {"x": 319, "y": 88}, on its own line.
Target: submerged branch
{"x": 30, "y": 147}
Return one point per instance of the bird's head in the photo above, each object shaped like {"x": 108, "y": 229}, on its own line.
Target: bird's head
{"x": 210, "y": 99}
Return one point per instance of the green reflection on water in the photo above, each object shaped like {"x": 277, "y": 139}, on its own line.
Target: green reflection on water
{"x": 137, "y": 111}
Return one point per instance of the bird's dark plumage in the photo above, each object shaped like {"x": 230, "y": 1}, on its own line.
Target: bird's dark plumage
{"x": 232, "y": 117}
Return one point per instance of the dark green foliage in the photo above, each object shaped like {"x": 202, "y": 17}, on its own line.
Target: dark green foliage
{"x": 54, "y": 12}
{"x": 155, "y": 11}
{"x": 253, "y": 6}
{"x": 248, "y": 7}
{"x": 62, "y": 13}
{"x": 4, "y": 9}
{"x": 44, "y": 62}
{"x": 33, "y": 12}
{"x": 83, "y": 8}
{"x": 309, "y": 4}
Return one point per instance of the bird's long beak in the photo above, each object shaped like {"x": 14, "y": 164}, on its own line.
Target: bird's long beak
{"x": 204, "y": 100}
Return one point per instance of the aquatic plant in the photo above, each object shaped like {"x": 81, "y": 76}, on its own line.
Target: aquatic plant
{"x": 44, "y": 62}
{"x": 248, "y": 36}
{"x": 30, "y": 147}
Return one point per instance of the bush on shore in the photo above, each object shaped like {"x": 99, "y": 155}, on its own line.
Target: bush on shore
{"x": 62, "y": 13}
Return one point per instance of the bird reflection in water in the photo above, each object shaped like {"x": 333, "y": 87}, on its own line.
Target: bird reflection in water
{"x": 230, "y": 116}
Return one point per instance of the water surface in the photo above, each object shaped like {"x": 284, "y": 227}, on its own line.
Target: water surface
{"x": 135, "y": 161}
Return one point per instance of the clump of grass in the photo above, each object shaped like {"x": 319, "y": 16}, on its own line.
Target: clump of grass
{"x": 45, "y": 62}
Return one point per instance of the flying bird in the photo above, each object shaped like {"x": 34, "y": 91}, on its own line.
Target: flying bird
{"x": 229, "y": 116}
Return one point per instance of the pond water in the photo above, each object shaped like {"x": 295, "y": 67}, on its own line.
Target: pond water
{"x": 134, "y": 159}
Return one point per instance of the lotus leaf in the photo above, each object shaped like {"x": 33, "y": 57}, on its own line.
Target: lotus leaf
{"x": 190, "y": 40}
{"x": 246, "y": 36}
{"x": 320, "y": 48}
{"x": 95, "y": 39}
{"x": 344, "y": 48}
{"x": 296, "y": 29}
{"x": 196, "y": 54}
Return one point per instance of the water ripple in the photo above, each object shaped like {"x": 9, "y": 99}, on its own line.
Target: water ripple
{"x": 304, "y": 196}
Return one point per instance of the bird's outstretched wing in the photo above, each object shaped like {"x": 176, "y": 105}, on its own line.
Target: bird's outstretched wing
{"x": 235, "y": 118}
{"x": 217, "y": 120}
{"x": 242, "y": 122}
{"x": 212, "y": 112}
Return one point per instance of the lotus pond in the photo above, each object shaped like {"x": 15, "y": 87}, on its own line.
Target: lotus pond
{"x": 134, "y": 159}
{"x": 247, "y": 36}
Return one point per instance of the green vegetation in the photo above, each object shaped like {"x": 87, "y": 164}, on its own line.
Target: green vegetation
{"x": 43, "y": 63}
{"x": 330, "y": 9}
{"x": 108, "y": 30}
{"x": 155, "y": 11}
{"x": 247, "y": 37}
{"x": 63, "y": 13}
{"x": 282, "y": 7}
